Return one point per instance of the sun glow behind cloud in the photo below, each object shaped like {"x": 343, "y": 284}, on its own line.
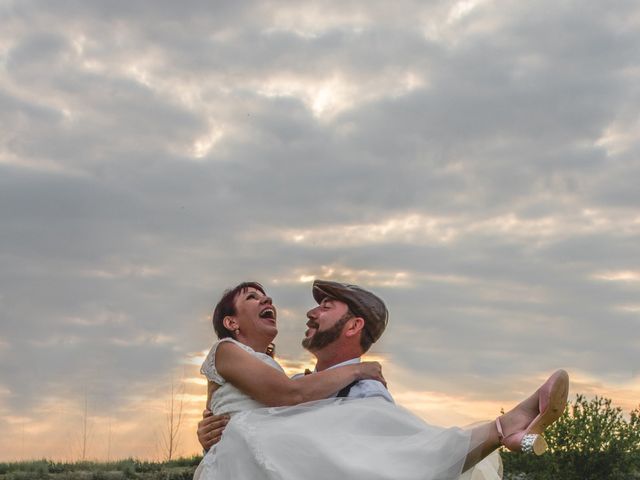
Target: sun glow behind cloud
{"x": 620, "y": 137}
{"x": 625, "y": 276}
{"x": 418, "y": 228}
{"x": 334, "y": 94}
{"x": 373, "y": 278}
{"x": 202, "y": 147}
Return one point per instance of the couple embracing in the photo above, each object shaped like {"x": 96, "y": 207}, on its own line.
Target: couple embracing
{"x": 339, "y": 422}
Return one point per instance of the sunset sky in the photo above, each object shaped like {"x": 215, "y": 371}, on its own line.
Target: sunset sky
{"x": 476, "y": 163}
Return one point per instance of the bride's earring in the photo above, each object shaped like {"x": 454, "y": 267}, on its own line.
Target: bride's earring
{"x": 237, "y": 331}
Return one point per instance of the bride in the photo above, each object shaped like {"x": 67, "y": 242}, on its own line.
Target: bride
{"x": 282, "y": 428}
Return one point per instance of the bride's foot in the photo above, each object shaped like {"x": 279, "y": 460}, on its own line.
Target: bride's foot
{"x": 520, "y": 429}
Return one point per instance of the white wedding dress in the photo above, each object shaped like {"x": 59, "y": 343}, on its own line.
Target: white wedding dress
{"x": 338, "y": 438}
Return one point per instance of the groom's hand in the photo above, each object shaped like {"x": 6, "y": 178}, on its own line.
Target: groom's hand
{"x": 210, "y": 428}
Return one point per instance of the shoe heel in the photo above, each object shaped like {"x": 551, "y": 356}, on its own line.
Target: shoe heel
{"x": 533, "y": 443}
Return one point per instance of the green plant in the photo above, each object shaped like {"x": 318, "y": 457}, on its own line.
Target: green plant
{"x": 592, "y": 440}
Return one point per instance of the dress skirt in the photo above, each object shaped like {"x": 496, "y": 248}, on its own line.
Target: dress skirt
{"x": 346, "y": 439}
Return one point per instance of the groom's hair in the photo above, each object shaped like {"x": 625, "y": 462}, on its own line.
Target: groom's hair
{"x": 226, "y": 306}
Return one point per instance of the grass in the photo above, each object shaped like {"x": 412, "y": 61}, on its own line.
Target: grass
{"x": 179, "y": 469}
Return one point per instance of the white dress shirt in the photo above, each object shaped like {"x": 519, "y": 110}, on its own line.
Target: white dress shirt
{"x": 362, "y": 388}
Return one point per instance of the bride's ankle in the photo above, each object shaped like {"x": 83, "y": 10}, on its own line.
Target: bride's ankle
{"x": 515, "y": 420}
{"x": 496, "y": 432}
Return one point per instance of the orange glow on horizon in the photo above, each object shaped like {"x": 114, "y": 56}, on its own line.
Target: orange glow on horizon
{"x": 133, "y": 430}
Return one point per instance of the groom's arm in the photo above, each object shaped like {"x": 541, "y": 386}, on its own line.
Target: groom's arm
{"x": 210, "y": 428}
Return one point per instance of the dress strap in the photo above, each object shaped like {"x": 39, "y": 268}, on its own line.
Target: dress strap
{"x": 208, "y": 368}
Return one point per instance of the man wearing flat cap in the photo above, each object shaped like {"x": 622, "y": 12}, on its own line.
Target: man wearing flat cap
{"x": 344, "y": 325}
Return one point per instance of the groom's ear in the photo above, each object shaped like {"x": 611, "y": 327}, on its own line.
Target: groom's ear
{"x": 354, "y": 326}
{"x": 230, "y": 323}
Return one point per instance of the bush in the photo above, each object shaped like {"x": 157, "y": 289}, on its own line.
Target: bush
{"x": 184, "y": 473}
{"x": 19, "y": 475}
{"x": 590, "y": 441}
{"x": 99, "y": 475}
{"x": 185, "y": 462}
{"x": 56, "y": 467}
{"x": 129, "y": 471}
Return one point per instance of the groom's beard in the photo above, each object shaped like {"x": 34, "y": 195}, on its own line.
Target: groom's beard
{"x": 321, "y": 339}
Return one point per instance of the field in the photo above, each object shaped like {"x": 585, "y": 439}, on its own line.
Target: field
{"x": 181, "y": 469}
{"x": 541, "y": 468}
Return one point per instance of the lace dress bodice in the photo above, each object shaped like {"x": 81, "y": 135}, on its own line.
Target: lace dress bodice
{"x": 227, "y": 399}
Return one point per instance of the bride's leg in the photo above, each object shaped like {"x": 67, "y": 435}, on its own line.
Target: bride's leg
{"x": 486, "y": 440}
{"x": 520, "y": 428}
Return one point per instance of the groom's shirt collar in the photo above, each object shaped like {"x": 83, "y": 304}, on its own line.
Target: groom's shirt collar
{"x": 347, "y": 362}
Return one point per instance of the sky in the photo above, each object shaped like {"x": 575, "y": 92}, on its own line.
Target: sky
{"x": 475, "y": 163}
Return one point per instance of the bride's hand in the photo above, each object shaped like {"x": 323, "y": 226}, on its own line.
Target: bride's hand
{"x": 371, "y": 371}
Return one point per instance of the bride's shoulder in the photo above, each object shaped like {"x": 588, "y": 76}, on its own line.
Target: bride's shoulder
{"x": 232, "y": 341}
{"x": 209, "y": 369}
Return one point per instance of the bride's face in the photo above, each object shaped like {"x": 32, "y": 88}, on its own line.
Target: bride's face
{"x": 255, "y": 314}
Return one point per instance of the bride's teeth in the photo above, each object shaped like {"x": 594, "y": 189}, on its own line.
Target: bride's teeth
{"x": 268, "y": 313}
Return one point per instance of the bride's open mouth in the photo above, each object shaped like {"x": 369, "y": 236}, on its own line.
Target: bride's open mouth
{"x": 268, "y": 314}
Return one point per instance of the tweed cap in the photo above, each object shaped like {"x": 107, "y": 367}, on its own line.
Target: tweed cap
{"x": 360, "y": 301}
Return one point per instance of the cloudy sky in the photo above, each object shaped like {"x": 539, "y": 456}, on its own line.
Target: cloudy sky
{"x": 473, "y": 162}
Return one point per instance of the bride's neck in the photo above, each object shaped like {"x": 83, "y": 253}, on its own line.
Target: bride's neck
{"x": 257, "y": 344}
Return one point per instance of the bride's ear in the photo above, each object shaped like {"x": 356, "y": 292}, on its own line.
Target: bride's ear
{"x": 230, "y": 323}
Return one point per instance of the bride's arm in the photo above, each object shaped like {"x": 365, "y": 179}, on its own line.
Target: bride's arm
{"x": 273, "y": 388}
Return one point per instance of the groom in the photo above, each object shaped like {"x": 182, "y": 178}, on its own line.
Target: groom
{"x": 344, "y": 325}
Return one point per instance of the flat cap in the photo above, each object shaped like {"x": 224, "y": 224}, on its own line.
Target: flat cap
{"x": 360, "y": 301}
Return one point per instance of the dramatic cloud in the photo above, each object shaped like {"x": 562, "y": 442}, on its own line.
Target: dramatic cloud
{"x": 473, "y": 162}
